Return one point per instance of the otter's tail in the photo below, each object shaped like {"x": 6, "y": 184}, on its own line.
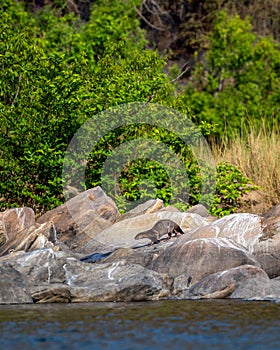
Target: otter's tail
{"x": 178, "y": 229}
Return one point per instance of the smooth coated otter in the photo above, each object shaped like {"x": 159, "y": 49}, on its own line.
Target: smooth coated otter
{"x": 161, "y": 228}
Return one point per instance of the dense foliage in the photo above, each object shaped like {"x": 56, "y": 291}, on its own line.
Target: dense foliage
{"x": 57, "y": 72}
{"x": 238, "y": 81}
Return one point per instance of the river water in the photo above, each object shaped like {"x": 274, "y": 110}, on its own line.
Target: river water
{"x": 222, "y": 324}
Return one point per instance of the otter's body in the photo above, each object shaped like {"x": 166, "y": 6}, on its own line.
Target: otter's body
{"x": 161, "y": 228}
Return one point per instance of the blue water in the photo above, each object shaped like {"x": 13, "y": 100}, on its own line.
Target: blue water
{"x": 171, "y": 325}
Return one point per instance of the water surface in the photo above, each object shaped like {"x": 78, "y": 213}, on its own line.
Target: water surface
{"x": 171, "y": 325}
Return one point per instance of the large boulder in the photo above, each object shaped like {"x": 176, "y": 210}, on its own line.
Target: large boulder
{"x": 220, "y": 284}
{"x": 36, "y": 236}
{"x": 49, "y": 276}
{"x": 122, "y": 233}
{"x": 117, "y": 281}
{"x": 200, "y": 257}
{"x": 150, "y": 206}
{"x": 258, "y": 288}
{"x": 81, "y": 218}
{"x": 13, "y": 287}
{"x": 17, "y": 219}
{"x": 3, "y": 236}
{"x": 260, "y": 235}
{"x": 244, "y": 228}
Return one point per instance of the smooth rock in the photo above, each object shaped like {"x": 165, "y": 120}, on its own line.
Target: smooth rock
{"x": 198, "y": 209}
{"x": 170, "y": 208}
{"x": 13, "y": 287}
{"x": 17, "y": 219}
{"x": 258, "y": 289}
{"x": 220, "y": 284}
{"x": 121, "y": 234}
{"x": 150, "y": 206}
{"x": 55, "y": 277}
{"x": 3, "y": 236}
{"x": 261, "y": 236}
{"x": 34, "y": 237}
{"x": 143, "y": 256}
{"x": 112, "y": 282}
{"x": 81, "y": 218}
{"x": 200, "y": 257}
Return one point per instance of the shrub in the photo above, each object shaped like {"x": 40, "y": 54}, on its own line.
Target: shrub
{"x": 239, "y": 77}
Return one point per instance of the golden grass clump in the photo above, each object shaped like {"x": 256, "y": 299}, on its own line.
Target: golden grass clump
{"x": 257, "y": 154}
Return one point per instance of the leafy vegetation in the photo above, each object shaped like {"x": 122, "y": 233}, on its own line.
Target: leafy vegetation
{"x": 239, "y": 82}
{"x": 58, "y": 71}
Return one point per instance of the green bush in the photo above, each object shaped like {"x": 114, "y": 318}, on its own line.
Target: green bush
{"x": 56, "y": 73}
{"x": 230, "y": 186}
{"x": 239, "y": 81}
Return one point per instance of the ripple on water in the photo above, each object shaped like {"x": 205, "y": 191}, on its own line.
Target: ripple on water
{"x": 172, "y": 325}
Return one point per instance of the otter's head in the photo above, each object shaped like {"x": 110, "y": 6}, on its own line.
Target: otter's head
{"x": 139, "y": 236}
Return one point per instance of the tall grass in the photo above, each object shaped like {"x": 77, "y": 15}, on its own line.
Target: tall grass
{"x": 257, "y": 153}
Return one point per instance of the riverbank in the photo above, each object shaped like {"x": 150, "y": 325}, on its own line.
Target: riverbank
{"x": 85, "y": 251}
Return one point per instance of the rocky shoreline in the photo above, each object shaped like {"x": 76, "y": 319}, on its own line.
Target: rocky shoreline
{"x": 85, "y": 251}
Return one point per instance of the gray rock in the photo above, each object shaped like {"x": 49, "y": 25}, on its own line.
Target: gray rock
{"x": 198, "y": 209}
{"x": 272, "y": 212}
{"x": 261, "y": 236}
{"x": 51, "y": 276}
{"x": 112, "y": 282}
{"x": 121, "y": 234}
{"x": 201, "y": 257}
{"x": 143, "y": 256}
{"x": 81, "y": 218}
{"x": 13, "y": 287}
{"x": 220, "y": 284}
{"x": 3, "y": 236}
{"x": 17, "y": 219}
{"x": 39, "y": 267}
{"x": 36, "y": 236}
{"x": 151, "y": 206}
{"x": 258, "y": 289}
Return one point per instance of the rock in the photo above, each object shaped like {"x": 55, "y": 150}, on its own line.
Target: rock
{"x": 143, "y": 256}
{"x": 55, "y": 277}
{"x": 81, "y": 218}
{"x": 38, "y": 267}
{"x": 54, "y": 293}
{"x": 244, "y": 228}
{"x": 121, "y": 234}
{"x": 150, "y": 206}
{"x": 267, "y": 251}
{"x": 220, "y": 284}
{"x": 171, "y": 209}
{"x": 3, "y": 236}
{"x": 34, "y": 237}
{"x": 258, "y": 288}
{"x": 254, "y": 202}
{"x": 200, "y": 257}
{"x": 272, "y": 212}
{"x": 112, "y": 282}
{"x": 139, "y": 256}
{"x": 17, "y": 219}
{"x": 198, "y": 209}
{"x": 261, "y": 236}
{"x": 13, "y": 288}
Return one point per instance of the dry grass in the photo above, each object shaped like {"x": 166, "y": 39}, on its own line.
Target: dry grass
{"x": 257, "y": 154}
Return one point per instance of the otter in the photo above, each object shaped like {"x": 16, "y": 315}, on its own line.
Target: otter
{"x": 161, "y": 228}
